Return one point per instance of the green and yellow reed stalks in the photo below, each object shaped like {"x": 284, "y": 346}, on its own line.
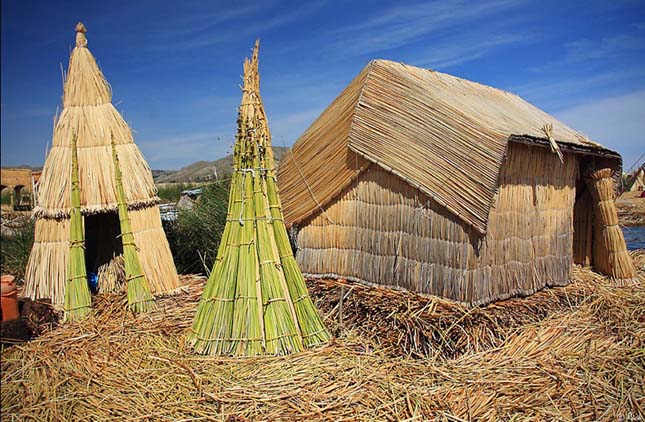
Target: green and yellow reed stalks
{"x": 255, "y": 301}
{"x": 78, "y": 302}
{"x": 139, "y": 297}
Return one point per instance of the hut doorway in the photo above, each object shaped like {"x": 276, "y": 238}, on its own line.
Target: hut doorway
{"x": 102, "y": 239}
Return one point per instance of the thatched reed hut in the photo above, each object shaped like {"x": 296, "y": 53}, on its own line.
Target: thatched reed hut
{"x": 421, "y": 180}
{"x": 89, "y": 114}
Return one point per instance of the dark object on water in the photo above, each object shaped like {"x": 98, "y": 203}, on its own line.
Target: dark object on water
{"x": 36, "y": 318}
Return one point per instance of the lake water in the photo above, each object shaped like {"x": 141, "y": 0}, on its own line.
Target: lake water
{"x": 635, "y": 237}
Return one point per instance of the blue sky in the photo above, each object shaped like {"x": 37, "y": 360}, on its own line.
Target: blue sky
{"x": 175, "y": 66}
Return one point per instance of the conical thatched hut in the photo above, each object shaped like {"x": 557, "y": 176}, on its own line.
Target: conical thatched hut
{"x": 89, "y": 115}
{"x": 256, "y": 300}
{"x": 420, "y": 180}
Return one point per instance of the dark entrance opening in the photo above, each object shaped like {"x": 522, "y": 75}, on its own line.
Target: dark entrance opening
{"x": 102, "y": 240}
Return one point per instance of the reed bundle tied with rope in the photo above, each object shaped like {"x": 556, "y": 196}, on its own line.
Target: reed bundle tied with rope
{"x": 78, "y": 301}
{"x": 610, "y": 251}
{"x": 139, "y": 297}
{"x": 255, "y": 301}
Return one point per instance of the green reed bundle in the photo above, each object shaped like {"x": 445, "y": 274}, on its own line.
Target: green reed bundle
{"x": 255, "y": 300}
{"x": 78, "y": 301}
{"x": 139, "y": 297}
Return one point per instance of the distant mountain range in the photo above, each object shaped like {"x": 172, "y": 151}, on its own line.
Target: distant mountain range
{"x": 202, "y": 171}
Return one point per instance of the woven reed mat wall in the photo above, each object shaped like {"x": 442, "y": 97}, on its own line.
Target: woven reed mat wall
{"x": 610, "y": 251}
{"x": 387, "y": 233}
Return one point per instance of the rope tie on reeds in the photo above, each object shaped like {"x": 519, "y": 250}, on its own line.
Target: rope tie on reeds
{"x": 224, "y": 299}
{"x": 77, "y": 243}
{"x": 133, "y": 277}
{"x": 76, "y": 277}
{"x": 223, "y": 339}
{"x": 322, "y": 330}
{"x": 276, "y": 299}
{"x": 235, "y": 245}
{"x": 548, "y": 131}
{"x": 81, "y": 40}
{"x": 75, "y": 308}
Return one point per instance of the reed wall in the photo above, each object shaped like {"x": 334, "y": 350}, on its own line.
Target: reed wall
{"x": 386, "y": 232}
{"x": 46, "y": 271}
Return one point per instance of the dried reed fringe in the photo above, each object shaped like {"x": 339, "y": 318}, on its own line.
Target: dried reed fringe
{"x": 111, "y": 276}
{"x": 443, "y": 135}
{"x": 255, "y": 301}
{"x": 39, "y": 212}
{"x": 555, "y": 359}
{"x": 386, "y": 232}
{"x": 139, "y": 296}
{"x": 46, "y": 272}
{"x": 89, "y": 114}
{"x": 78, "y": 302}
{"x": 610, "y": 251}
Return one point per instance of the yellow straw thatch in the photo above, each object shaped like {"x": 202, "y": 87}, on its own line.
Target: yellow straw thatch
{"x": 443, "y": 135}
{"x": 89, "y": 114}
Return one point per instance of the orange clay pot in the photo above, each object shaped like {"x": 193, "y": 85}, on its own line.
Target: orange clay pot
{"x": 9, "y": 298}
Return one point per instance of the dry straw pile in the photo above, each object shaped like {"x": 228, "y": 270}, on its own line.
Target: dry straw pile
{"x": 581, "y": 360}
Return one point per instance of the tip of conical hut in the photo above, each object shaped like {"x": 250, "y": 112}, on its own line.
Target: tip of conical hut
{"x": 84, "y": 82}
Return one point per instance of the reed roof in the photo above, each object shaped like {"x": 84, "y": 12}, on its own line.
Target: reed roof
{"x": 442, "y": 134}
{"x": 89, "y": 114}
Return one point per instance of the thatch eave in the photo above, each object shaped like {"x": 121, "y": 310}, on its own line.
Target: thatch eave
{"x": 596, "y": 150}
{"x": 41, "y": 212}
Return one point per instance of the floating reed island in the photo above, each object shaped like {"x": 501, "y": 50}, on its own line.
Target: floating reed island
{"x": 420, "y": 180}
{"x": 109, "y": 208}
{"x": 255, "y": 301}
{"x": 539, "y": 358}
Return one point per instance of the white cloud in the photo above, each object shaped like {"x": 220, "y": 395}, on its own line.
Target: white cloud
{"x": 404, "y": 24}
{"x": 563, "y": 92}
{"x": 602, "y": 49}
{"x": 616, "y": 122}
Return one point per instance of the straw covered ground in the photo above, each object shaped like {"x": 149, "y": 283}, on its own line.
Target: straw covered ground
{"x": 576, "y": 359}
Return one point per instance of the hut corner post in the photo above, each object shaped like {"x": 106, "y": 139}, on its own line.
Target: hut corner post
{"x": 610, "y": 251}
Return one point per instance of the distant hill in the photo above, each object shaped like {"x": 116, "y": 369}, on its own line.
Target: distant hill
{"x": 202, "y": 171}
{"x": 157, "y": 174}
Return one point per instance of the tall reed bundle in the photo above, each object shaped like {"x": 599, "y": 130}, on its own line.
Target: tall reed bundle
{"x": 78, "y": 302}
{"x": 89, "y": 114}
{"x": 255, "y": 301}
{"x": 610, "y": 251}
{"x": 139, "y": 297}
